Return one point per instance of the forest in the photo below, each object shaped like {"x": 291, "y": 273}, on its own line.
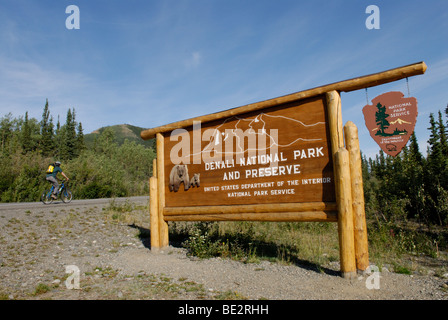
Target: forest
{"x": 411, "y": 186}
{"x": 408, "y": 187}
{"x": 102, "y": 170}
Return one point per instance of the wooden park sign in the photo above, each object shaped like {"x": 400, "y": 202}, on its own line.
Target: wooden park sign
{"x": 282, "y": 159}
{"x": 277, "y": 155}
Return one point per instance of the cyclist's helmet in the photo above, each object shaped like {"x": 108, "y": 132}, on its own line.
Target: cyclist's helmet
{"x": 57, "y": 163}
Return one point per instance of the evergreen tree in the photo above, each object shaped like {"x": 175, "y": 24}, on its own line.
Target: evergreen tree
{"x": 414, "y": 152}
{"x": 26, "y": 135}
{"x": 69, "y": 137}
{"x": 80, "y": 145}
{"x": 46, "y": 142}
{"x": 446, "y": 110}
{"x": 435, "y": 179}
{"x": 380, "y": 165}
{"x": 6, "y": 132}
{"x": 435, "y": 155}
{"x": 58, "y": 139}
{"x": 442, "y": 135}
{"x": 443, "y": 165}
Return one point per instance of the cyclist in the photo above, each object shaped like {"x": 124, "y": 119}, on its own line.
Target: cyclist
{"x": 52, "y": 172}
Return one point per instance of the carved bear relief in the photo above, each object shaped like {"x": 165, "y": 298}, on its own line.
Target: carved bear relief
{"x": 194, "y": 182}
{"x": 178, "y": 175}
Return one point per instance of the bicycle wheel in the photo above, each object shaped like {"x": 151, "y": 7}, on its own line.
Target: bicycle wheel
{"x": 46, "y": 197}
{"x": 66, "y": 196}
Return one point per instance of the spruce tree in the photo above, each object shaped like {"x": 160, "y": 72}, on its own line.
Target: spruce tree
{"x": 69, "y": 137}
{"x": 80, "y": 145}
{"x": 46, "y": 141}
{"x": 414, "y": 153}
{"x": 58, "y": 138}
{"x": 6, "y": 132}
{"x": 435, "y": 155}
{"x": 442, "y": 135}
{"x": 26, "y": 135}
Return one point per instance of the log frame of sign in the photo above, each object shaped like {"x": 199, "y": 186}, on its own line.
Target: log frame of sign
{"x": 348, "y": 211}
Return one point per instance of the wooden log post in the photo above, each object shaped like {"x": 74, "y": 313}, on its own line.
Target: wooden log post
{"x": 309, "y": 212}
{"x": 359, "y": 216}
{"x": 163, "y": 225}
{"x": 342, "y": 185}
{"x": 335, "y": 121}
{"x": 154, "y": 209}
{"x": 345, "y": 214}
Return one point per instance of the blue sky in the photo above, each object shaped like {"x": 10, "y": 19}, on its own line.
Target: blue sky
{"x": 149, "y": 63}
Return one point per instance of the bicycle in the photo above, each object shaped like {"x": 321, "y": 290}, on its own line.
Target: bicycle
{"x": 64, "y": 194}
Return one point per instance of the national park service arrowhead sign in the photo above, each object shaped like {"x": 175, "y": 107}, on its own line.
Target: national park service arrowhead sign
{"x": 391, "y": 120}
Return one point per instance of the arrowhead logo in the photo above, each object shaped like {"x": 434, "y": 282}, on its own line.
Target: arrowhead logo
{"x": 391, "y": 120}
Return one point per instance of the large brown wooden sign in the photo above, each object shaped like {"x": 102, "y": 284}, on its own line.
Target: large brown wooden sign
{"x": 283, "y": 159}
{"x": 279, "y": 155}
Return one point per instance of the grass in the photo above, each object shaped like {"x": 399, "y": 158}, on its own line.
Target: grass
{"x": 106, "y": 283}
{"x": 313, "y": 244}
{"x": 125, "y": 212}
{"x": 408, "y": 247}
{"x": 41, "y": 288}
{"x": 404, "y": 248}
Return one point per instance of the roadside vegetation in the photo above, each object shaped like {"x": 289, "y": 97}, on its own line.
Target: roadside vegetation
{"x": 100, "y": 169}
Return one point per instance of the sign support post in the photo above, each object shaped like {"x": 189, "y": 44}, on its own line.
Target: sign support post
{"x": 345, "y": 214}
{"x": 343, "y": 188}
{"x": 163, "y": 225}
{"x": 359, "y": 216}
{"x": 154, "y": 208}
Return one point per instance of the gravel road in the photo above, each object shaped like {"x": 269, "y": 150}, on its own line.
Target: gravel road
{"x": 43, "y": 249}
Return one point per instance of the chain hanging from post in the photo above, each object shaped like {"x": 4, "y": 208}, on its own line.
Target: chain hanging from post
{"x": 407, "y": 84}
{"x": 367, "y": 97}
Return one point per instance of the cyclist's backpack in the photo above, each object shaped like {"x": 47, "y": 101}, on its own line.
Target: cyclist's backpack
{"x": 50, "y": 168}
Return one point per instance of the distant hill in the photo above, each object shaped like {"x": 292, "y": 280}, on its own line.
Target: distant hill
{"x": 122, "y": 132}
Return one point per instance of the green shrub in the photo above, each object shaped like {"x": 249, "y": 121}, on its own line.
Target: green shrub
{"x": 200, "y": 244}
{"x": 40, "y": 289}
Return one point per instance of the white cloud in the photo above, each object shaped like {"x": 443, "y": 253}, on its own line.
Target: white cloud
{"x": 24, "y": 86}
{"x": 194, "y": 60}
{"x": 22, "y": 83}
